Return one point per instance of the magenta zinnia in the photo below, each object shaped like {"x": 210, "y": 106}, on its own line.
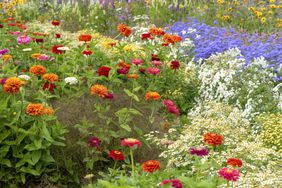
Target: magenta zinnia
{"x": 229, "y": 174}
{"x": 199, "y": 151}
{"x": 131, "y": 142}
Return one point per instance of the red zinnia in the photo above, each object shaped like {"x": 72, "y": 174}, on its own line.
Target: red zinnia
{"x": 49, "y": 86}
{"x": 87, "y": 52}
{"x": 57, "y": 35}
{"x": 55, "y": 49}
{"x": 1, "y": 26}
{"x": 84, "y": 37}
{"x": 151, "y": 166}
{"x": 234, "y": 162}
{"x": 55, "y": 23}
{"x": 174, "y": 64}
{"x": 213, "y": 139}
{"x": 104, "y": 71}
{"x": 145, "y": 36}
{"x": 116, "y": 155}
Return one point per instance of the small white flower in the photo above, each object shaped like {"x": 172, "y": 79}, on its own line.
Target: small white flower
{"x": 24, "y": 77}
{"x": 64, "y": 48}
{"x": 27, "y": 49}
{"x": 71, "y": 80}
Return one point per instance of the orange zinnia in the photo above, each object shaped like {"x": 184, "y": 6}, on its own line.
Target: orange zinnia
{"x": 35, "y": 56}
{"x": 132, "y": 76}
{"x": 151, "y": 166}
{"x": 156, "y": 31}
{"x": 99, "y": 90}
{"x": 36, "y": 109}
{"x": 6, "y": 57}
{"x": 124, "y": 30}
{"x": 151, "y": 95}
{"x": 51, "y": 77}
{"x": 13, "y": 85}
{"x": 213, "y": 139}
{"x": 85, "y": 37}
{"x": 37, "y": 70}
{"x": 48, "y": 111}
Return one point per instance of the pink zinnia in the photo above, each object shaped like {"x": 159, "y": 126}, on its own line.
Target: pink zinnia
{"x": 176, "y": 183}
{"x": 23, "y": 40}
{"x": 136, "y": 61}
{"x": 173, "y": 110}
{"x": 43, "y": 57}
{"x": 94, "y": 142}
{"x": 168, "y": 103}
{"x": 154, "y": 71}
{"x": 229, "y": 174}
{"x": 156, "y": 63}
{"x": 131, "y": 142}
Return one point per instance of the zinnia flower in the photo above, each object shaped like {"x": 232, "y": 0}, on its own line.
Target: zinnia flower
{"x": 35, "y": 55}
{"x": 49, "y": 86}
{"x": 116, "y": 155}
{"x": 154, "y": 57}
{"x": 123, "y": 70}
{"x": 71, "y": 80}
{"x": 137, "y": 61}
{"x": 23, "y": 40}
{"x": 24, "y": 77}
{"x": 156, "y": 31}
{"x": 145, "y": 36}
{"x": 173, "y": 110}
{"x": 151, "y": 166}
{"x": 43, "y": 57}
{"x": 234, "y": 162}
{"x": 168, "y": 103}
{"x": 55, "y": 23}
{"x": 176, "y": 183}
{"x": 104, "y": 71}
{"x": 4, "y": 51}
{"x": 124, "y": 30}
{"x": 156, "y": 63}
{"x": 51, "y": 77}
{"x": 199, "y": 151}
{"x": 12, "y": 85}
{"x": 213, "y": 139}
{"x": 175, "y": 65}
{"x": 37, "y": 70}
{"x": 142, "y": 70}
{"x": 48, "y": 111}
{"x": 131, "y": 142}
{"x": 57, "y": 35}
{"x": 85, "y": 37}
{"x": 94, "y": 142}
{"x": 153, "y": 71}
{"x": 132, "y": 76}
{"x": 55, "y": 49}
{"x": 99, "y": 90}
{"x": 229, "y": 174}
{"x": 36, "y": 109}
{"x": 87, "y": 52}
{"x": 152, "y": 95}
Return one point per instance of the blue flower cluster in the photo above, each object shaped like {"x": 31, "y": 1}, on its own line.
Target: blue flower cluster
{"x": 211, "y": 39}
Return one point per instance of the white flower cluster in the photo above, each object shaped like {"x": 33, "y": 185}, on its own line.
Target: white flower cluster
{"x": 71, "y": 80}
{"x": 225, "y": 77}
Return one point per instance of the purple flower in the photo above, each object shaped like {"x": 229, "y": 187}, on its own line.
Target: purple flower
{"x": 199, "y": 151}
{"x": 94, "y": 142}
{"x": 23, "y": 40}
{"x": 3, "y": 81}
{"x": 4, "y": 51}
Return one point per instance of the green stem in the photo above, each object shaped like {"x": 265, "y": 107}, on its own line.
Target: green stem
{"x": 132, "y": 162}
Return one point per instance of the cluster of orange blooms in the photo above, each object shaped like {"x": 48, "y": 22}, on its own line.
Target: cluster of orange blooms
{"x": 37, "y": 70}
{"x": 152, "y": 95}
{"x": 213, "y": 139}
{"x": 99, "y": 90}
{"x": 124, "y": 30}
{"x": 38, "y": 109}
{"x": 171, "y": 39}
{"x": 51, "y": 77}
{"x": 156, "y": 31}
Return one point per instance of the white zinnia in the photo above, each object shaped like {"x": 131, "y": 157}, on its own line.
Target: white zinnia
{"x": 71, "y": 80}
{"x": 24, "y": 77}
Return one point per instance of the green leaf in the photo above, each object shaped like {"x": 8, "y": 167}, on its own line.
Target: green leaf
{"x": 35, "y": 156}
{"x": 4, "y": 134}
{"x": 205, "y": 184}
{"x": 3, "y": 151}
{"x": 45, "y": 134}
{"x": 6, "y": 162}
{"x": 130, "y": 94}
{"x": 126, "y": 127}
{"x": 30, "y": 171}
